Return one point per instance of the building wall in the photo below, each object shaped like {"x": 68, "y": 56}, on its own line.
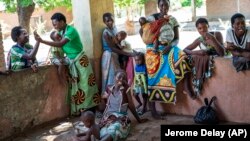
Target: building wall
{"x": 231, "y": 89}
{"x": 224, "y": 9}
{"x": 28, "y": 99}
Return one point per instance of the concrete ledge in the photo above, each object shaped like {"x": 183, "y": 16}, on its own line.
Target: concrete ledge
{"x": 231, "y": 89}
{"x": 28, "y": 99}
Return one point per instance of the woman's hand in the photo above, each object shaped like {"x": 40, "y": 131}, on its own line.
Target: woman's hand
{"x": 34, "y": 68}
{"x": 109, "y": 39}
{"x": 37, "y": 37}
{"x": 166, "y": 50}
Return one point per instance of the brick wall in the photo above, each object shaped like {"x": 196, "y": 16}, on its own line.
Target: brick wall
{"x": 2, "y": 62}
{"x": 226, "y": 8}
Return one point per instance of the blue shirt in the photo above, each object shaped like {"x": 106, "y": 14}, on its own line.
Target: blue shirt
{"x": 111, "y": 33}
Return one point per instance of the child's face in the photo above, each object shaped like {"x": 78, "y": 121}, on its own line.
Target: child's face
{"x": 56, "y": 37}
{"x": 109, "y": 21}
{"x": 86, "y": 122}
{"x": 138, "y": 60}
{"x": 121, "y": 78}
{"x": 120, "y": 37}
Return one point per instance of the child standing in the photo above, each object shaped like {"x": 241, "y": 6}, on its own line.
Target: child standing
{"x": 140, "y": 82}
{"x": 124, "y": 46}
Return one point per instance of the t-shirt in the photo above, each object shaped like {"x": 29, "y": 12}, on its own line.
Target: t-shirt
{"x": 111, "y": 33}
{"x": 231, "y": 38}
{"x": 127, "y": 46}
{"x": 74, "y": 46}
{"x": 16, "y": 53}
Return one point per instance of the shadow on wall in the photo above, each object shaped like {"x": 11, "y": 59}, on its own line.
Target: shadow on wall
{"x": 28, "y": 99}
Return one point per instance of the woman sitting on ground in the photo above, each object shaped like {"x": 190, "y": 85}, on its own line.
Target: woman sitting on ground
{"x": 210, "y": 44}
{"x": 115, "y": 123}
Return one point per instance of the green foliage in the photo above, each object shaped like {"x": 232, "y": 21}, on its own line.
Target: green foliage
{"x": 127, "y": 3}
{"x": 185, "y": 3}
{"x": 11, "y": 5}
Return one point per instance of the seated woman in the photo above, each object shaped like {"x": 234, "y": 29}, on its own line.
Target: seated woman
{"x": 238, "y": 42}
{"x": 115, "y": 124}
{"x": 211, "y": 44}
{"x": 22, "y": 55}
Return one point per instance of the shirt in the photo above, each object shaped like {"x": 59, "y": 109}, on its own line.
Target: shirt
{"x": 74, "y": 46}
{"x": 231, "y": 38}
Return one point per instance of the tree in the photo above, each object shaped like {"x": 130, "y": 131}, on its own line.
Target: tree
{"x": 130, "y": 6}
{"x": 25, "y": 8}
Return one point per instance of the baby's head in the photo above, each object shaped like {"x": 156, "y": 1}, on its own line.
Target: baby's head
{"x": 121, "y": 35}
{"x": 55, "y": 36}
{"x": 142, "y": 21}
{"x": 88, "y": 118}
{"x": 139, "y": 58}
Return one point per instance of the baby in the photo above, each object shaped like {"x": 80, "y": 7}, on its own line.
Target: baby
{"x": 146, "y": 34}
{"x": 124, "y": 46}
{"x": 57, "y": 55}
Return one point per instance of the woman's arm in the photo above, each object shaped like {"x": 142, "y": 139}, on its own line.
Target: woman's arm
{"x": 216, "y": 41}
{"x": 32, "y": 54}
{"x": 189, "y": 49}
{"x": 60, "y": 43}
{"x": 113, "y": 47}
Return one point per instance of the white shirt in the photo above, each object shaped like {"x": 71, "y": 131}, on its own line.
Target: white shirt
{"x": 231, "y": 38}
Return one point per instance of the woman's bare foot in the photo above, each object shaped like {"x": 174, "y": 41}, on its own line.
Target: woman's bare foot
{"x": 158, "y": 116}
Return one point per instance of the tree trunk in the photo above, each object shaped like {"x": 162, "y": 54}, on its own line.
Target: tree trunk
{"x": 150, "y": 7}
{"x": 24, "y": 14}
{"x": 193, "y": 6}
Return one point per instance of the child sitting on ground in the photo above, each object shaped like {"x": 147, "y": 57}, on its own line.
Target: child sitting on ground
{"x": 93, "y": 131}
{"x": 124, "y": 46}
{"x": 140, "y": 82}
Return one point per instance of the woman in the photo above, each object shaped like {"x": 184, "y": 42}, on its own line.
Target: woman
{"x": 22, "y": 55}
{"x": 110, "y": 54}
{"x": 83, "y": 92}
{"x": 211, "y": 44}
{"x": 165, "y": 63}
{"x": 115, "y": 123}
{"x": 238, "y": 42}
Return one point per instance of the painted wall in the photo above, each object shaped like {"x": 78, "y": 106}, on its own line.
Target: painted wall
{"x": 28, "y": 99}
{"x": 231, "y": 89}
{"x": 226, "y": 8}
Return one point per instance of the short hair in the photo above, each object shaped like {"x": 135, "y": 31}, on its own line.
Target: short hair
{"x": 16, "y": 32}
{"x": 200, "y": 21}
{"x": 89, "y": 115}
{"x": 164, "y": 0}
{"x": 123, "y": 33}
{"x": 58, "y": 17}
{"x": 141, "y": 55}
{"x": 106, "y": 15}
{"x": 235, "y": 16}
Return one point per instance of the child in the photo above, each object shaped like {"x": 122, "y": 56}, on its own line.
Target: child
{"x": 140, "y": 82}
{"x": 124, "y": 46}
{"x": 57, "y": 55}
{"x": 146, "y": 33}
{"x": 93, "y": 132}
